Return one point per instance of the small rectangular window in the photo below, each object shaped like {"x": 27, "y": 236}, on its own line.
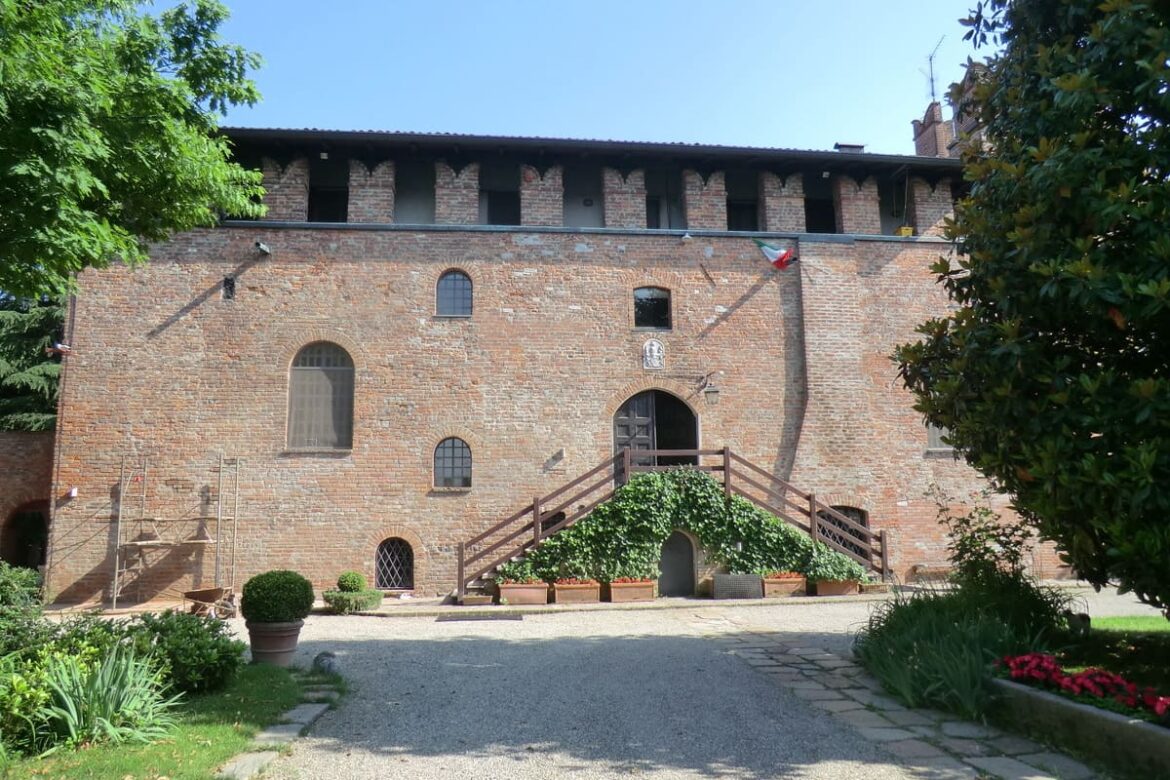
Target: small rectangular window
{"x": 652, "y": 308}
{"x": 329, "y": 190}
{"x": 583, "y": 196}
{"x": 934, "y": 438}
{"x": 229, "y": 287}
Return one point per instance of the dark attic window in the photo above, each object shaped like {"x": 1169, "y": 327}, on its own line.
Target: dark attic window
{"x": 743, "y": 200}
{"x": 820, "y": 215}
{"x": 328, "y": 189}
{"x": 499, "y": 194}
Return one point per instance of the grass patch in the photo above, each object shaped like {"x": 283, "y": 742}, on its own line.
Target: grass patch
{"x": 211, "y": 729}
{"x": 1137, "y": 655}
{"x": 1145, "y": 624}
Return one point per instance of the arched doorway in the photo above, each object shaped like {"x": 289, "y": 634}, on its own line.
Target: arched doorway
{"x": 656, "y": 420}
{"x": 24, "y": 537}
{"x": 676, "y": 570}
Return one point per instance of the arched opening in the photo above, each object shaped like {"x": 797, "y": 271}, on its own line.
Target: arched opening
{"x": 676, "y": 570}
{"x": 24, "y": 538}
{"x": 656, "y": 420}
{"x": 394, "y": 565}
{"x": 830, "y": 527}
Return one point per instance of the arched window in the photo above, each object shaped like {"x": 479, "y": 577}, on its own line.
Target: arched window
{"x": 320, "y": 398}
{"x": 453, "y": 295}
{"x": 394, "y": 565}
{"x": 652, "y": 308}
{"x": 452, "y": 463}
{"x": 849, "y": 538}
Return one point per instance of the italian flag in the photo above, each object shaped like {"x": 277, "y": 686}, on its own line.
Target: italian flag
{"x": 779, "y": 258}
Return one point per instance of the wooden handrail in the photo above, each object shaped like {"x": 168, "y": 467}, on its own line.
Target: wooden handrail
{"x": 617, "y": 469}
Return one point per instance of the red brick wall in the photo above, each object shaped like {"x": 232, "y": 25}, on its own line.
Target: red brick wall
{"x": 163, "y": 367}
{"x": 456, "y": 196}
{"x": 705, "y": 203}
{"x": 287, "y": 189}
{"x": 929, "y": 206}
{"x": 542, "y": 198}
{"x": 26, "y": 469}
{"x": 625, "y": 199}
{"x": 783, "y": 203}
{"x": 857, "y": 205}
{"x": 371, "y": 192}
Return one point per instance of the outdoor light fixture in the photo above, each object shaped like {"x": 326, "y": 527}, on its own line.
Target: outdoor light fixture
{"x": 263, "y": 248}
{"x": 686, "y": 237}
{"x": 58, "y": 349}
{"x": 710, "y": 389}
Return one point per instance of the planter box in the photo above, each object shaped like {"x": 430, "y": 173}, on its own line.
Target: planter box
{"x": 526, "y": 593}
{"x": 587, "y": 593}
{"x": 274, "y": 643}
{"x": 739, "y": 586}
{"x": 875, "y": 587}
{"x": 836, "y": 587}
{"x": 786, "y": 586}
{"x": 621, "y": 592}
{"x": 1123, "y": 744}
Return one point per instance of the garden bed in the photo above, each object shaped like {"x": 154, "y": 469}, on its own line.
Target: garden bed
{"x": 1126, "y": 744}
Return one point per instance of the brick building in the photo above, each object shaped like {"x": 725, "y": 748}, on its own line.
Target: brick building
{"x": 426, "y": 331}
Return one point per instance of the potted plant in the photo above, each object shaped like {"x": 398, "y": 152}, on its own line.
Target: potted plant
{"x": 352, "y": 595}
{"x": 778, "y": 584}
{"x": 622, "y": 589}
{"x": 832, "y": 573}
{"x": 274, "y": 605}
{"x": 576, "y": 590}
{"x": 518, "y": 584}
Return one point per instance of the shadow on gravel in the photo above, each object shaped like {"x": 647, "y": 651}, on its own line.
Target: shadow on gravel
{"x": 603, "y": 705}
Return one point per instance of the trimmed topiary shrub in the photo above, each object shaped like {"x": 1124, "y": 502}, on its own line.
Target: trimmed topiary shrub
{"x": 279, "y": 596}
{"x": 343, "y": 602}
{"x": 351, "y": 582}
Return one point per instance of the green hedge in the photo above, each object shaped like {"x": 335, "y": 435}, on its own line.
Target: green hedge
{"x": 623, "y": 537}
{"x": 343, "y": 602}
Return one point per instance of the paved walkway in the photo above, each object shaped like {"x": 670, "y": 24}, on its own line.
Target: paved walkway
{"x": 728, "y": 692}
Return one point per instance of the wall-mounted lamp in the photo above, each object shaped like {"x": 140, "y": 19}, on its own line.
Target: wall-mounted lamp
{"x": 72, "y": 493}
{"x": 710, "y": 388}
{"x": 687, "y": 237}
{"x": 59, "y": 349}
{"x": 263, "y": 248}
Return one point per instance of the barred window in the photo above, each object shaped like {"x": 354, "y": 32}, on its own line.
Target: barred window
{"x": 394, "y": 565}
{"x": 848, "y": 537}
{"x": 320, "y": 398}
{"x": 452, "y": 463}
{"x": 652, "y": 308}
{"x": 453, "y": 295}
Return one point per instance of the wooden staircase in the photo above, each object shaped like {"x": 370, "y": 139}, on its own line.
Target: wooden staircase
{"x": 513, "y": 536}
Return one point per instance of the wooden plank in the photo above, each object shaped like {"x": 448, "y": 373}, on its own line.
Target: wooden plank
{"x": 779, "y": 496}
{"x": 769, "y": 475}
{"x": 769, "y": 508}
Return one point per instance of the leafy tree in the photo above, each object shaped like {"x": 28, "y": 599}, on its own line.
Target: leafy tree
{"x": 108, "y": 137}
{"x": 28, "y": 375}
{"x": 1051, "y": 374}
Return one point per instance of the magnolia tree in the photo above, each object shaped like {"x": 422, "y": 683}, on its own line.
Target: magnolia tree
{"x": 1051, "y": 374}
{"x": 108, "y": 133}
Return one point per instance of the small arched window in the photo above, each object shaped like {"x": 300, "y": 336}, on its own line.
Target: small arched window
{"x": 394, "y": 565}
{"x": 453, "y": 463}
{"x": 320, "y": 398}
{"x": 652, "y": 308}
{"x": 453, "y": 295}
{"x": 850, "y": 538}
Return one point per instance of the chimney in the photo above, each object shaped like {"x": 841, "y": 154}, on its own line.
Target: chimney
{"x": 850, "y": 148}
{"x": 933, "y": 136}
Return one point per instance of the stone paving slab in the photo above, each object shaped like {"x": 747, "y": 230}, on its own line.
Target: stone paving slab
{"x": 943, "y": 769}
{"x": 1060, "y": 765}
{"x": 305, "y": 714}
{"x": 914, "y": 748}
{"x": 280, "y": 734}
{"x": 246, "y": 765}
{"x": 885, "y": 734}
{"x": 1014, "y": 746}
{"x": 839, "y": 705}
{"x": 1010, "y": 769}
{"x": 968, "y": 730}
{"x": 864, "y": 719}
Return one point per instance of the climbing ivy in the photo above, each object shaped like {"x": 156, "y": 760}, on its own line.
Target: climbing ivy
{"x": 623, "y": 537}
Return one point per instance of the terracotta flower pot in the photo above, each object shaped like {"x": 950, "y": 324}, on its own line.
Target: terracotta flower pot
{"x": 836, "y": 587}
{"x": 780, "y": 587}
{"x": 523, "y": 593}
{"x": 584, "y": 593}
{"x": 621, "y": 592}
{"x": 274, "y": 643}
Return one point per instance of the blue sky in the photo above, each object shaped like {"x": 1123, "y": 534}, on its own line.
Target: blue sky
{"x": 786, "y": 73}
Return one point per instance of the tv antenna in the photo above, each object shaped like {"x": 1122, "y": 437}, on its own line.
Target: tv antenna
{"x": 930, "y": 64}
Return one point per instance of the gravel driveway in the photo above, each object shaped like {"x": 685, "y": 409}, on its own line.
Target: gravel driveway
{"x": 647, "y": 693}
